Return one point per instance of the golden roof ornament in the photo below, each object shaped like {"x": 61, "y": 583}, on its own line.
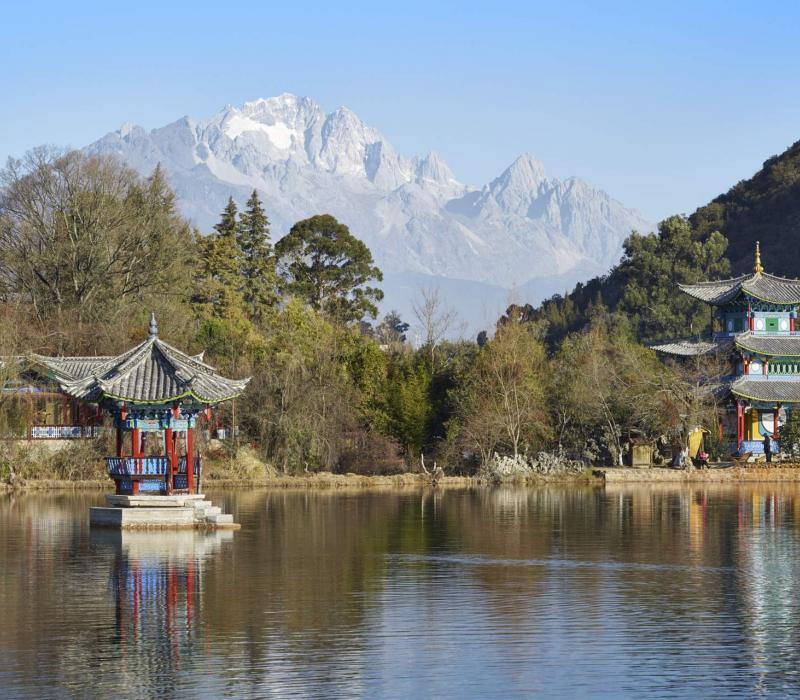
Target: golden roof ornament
{"x": 758, "y": 267}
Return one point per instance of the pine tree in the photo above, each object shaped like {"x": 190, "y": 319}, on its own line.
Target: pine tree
{"x": 219, "y": 282}
{"x": 259, "y": 276}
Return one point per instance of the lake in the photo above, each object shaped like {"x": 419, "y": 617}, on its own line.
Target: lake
{"x": 496, "y": 593}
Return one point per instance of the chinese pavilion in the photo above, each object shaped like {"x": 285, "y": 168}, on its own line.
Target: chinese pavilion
{"x": 155, "y": 394}
{"x": 758, "y": 316}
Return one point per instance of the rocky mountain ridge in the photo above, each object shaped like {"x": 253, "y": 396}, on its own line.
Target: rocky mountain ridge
{"x": 514, "y": 232}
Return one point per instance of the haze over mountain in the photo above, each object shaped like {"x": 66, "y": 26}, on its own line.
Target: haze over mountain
{"x": 522, "y": 231}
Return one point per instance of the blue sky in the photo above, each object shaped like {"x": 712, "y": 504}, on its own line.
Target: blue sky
{"x": 664, "y": 105}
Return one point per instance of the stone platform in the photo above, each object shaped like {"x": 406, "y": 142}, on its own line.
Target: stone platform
{"x": 179, "y": 500}
{"x": 177, "y": 512}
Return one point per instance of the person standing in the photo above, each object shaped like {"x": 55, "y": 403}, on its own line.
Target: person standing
{"x": 768, "y": 448}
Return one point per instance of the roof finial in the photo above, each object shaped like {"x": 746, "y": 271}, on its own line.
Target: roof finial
{"x": 758, "y": 268}
{"x": 153, "y": 325}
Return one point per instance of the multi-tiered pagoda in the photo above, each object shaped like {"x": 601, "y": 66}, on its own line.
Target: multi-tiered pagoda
{"x": 758, "y": 317}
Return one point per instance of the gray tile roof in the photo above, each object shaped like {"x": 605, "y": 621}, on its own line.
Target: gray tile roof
{"x": 767, "y": 389}
{"x": 769, "y": 344}
{"x": 720, "y": 292}
{"x": 694, "y": 348}
{"x": 760, "y": 285}
{"x": 154, "y": 372}
{"x": 67, "y": 367}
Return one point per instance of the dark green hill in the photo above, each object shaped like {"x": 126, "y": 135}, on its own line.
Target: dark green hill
{"x": 641, "y": 288}
{"x": 764, "y": 208}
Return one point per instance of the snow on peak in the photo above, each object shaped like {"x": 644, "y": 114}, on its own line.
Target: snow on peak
{"x": 279, "y": 133}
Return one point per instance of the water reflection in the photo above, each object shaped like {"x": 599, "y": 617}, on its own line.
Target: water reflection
{"x": 155, "y": 581}
{"x": 676, "y": 591}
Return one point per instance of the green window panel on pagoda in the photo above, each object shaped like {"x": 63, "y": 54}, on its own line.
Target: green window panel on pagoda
{"x": 772, "y": 323}
{"x": 784, "y": 367}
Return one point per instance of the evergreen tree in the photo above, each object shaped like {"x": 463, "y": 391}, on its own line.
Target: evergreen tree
{"x": 259, "y": 276}
{"x": 651, "y": 268}
{"x": 329, "y": 268}
{"x": 220, "y": 266}
{"x": 392, "y": 329}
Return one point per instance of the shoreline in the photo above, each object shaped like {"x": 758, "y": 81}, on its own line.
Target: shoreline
{"x": 598, "y": 476}
{"x": 320, "y": 481}
{"x": 661, "y": 475}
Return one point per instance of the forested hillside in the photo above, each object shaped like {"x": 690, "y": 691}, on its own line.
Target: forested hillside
{"x": 765, "y": 208}
{"x": 716, "y": 241}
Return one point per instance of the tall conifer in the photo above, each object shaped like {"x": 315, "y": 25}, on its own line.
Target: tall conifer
{"x": 221, "y": 267}
{"x": 258, "y": 270}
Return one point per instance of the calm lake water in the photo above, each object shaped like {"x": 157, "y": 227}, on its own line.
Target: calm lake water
{"x": 503, "y": 593}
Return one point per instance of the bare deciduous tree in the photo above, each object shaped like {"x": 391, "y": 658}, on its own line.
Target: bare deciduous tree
{"x": 80, "y": 234}
{"x": 435, "y": 319}
{"x": 505, "y": 401}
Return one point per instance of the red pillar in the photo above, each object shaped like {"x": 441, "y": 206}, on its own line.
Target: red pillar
{"x": 739, "y": 424}
{"x": 189, "y": 460}
{"x": 174, "y": 453}
{"x": 136, "y": 442}
{"x": 173, "y": 463}
{"x": 168, "y": 445}
{"x": 776, "y": 412}
{"x": 137, "y": 462}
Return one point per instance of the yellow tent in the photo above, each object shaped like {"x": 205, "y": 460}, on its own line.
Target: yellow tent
{"x": 696, "y": 440}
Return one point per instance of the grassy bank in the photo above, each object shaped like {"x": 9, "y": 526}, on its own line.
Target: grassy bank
{"x": 320, "y": 480}
{"x": 80, "y": 466}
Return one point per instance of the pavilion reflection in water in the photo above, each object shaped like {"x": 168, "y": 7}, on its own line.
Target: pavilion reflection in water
{"x": 156, "y": 583}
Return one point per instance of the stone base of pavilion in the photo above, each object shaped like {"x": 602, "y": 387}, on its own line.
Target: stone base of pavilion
{"x": 175, "y": 512}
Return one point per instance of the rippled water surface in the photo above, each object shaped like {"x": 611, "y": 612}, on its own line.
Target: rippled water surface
{"x": 551, "y": 592}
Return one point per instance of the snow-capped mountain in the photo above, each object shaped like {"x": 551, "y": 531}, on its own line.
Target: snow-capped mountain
{"x": 418, "y": 219}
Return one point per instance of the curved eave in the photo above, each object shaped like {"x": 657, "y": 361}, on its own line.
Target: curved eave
{"x": 767, "y": 390}
{"x": 688, "y": 348}
{"x": 172, "y": 399}
{"x": 714, "y": 293}
{"x": 97, "y": 394}
{"x": 760, "y": 286}
{"x": 765, "y": 352}
{"x": 768, "y": 300}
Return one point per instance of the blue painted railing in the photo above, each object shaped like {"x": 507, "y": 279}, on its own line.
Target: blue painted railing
{"x": 63, "y": 432}
{"x": 136, "y": 466}
{"x": 125, "y": 470}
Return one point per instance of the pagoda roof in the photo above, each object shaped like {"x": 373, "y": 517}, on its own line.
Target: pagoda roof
{"x": 777, "y": 345}
{"x": 767, "y": 389}
{"x": 694, "y": 348}
{"x": 67, "y": 368}
{"x": 759, "y": 285}
{"x": 153, "y": 372}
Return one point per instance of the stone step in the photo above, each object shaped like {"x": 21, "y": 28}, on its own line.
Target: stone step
{"x": 212, "y": 510}
{"x": 201, "y": 505}
{"x": 218, "y": 518}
